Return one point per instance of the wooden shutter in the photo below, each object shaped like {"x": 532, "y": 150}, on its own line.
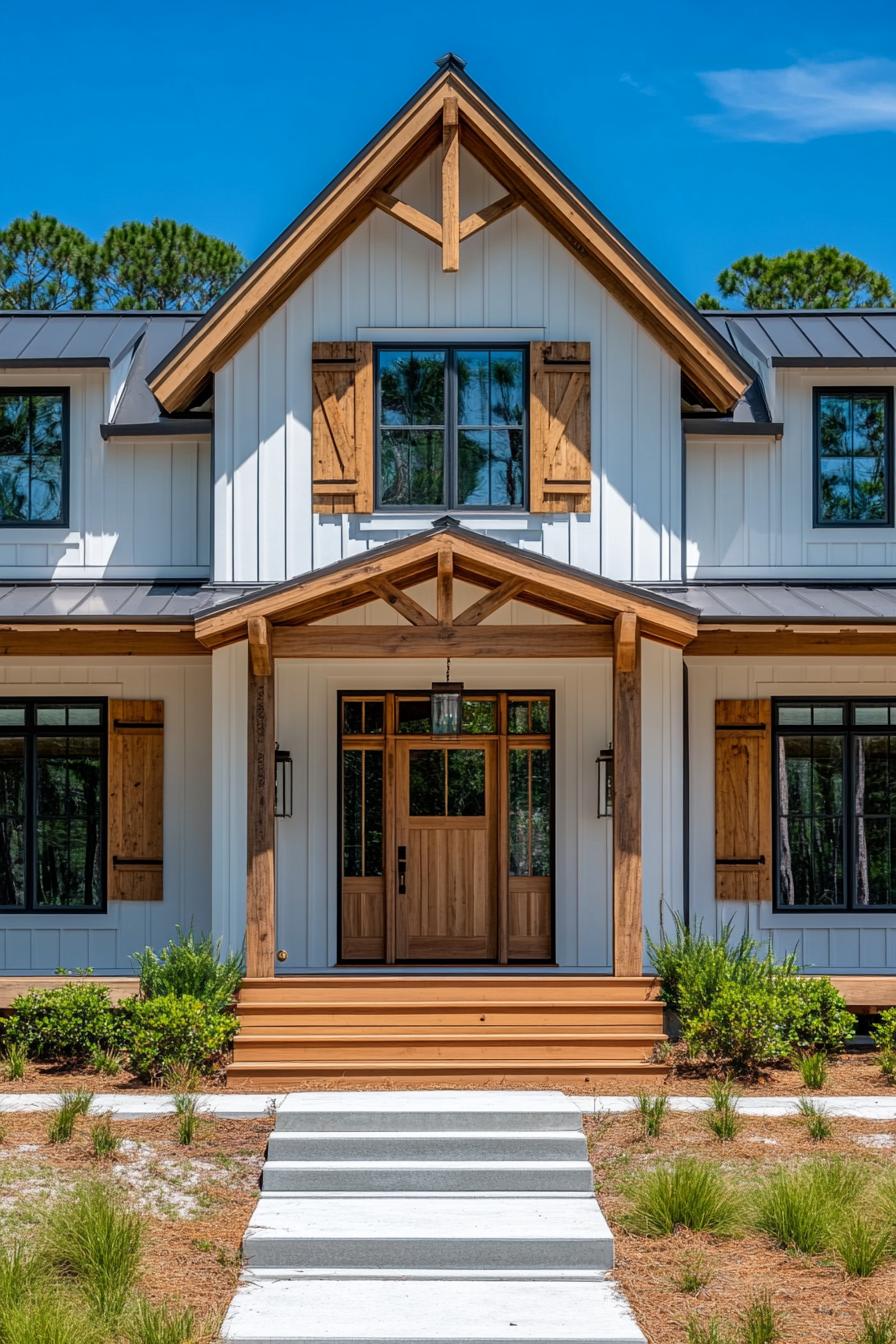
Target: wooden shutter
{"x": 136, "y": 765}
{"x": 342, "y": 426}
{"x": 560, "y": 427}
{"x": 743, "y": 800}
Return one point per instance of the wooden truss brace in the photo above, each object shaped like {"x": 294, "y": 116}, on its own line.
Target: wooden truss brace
{"x": 450, "y": 232}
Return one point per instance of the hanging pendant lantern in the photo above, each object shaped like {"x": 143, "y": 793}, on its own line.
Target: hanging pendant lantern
{"x": 446, "y": 705}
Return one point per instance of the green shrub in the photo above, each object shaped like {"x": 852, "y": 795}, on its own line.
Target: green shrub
{"x": 652, "y": 1110}
{"x": 816, "y": 1018}
{"x": 813, "y": 1069}
{"x": 192, "y": 967}
{"x": 96, "y": 1241}
{"x": 887, "y": 1061}
{"x": 64, "y": 1024}
{"x": 171, "y": 1030}
{"x": 685, "y": 1193}
{"x": 883, "y": 1033}
{"x": 818, "y": 1126}
{"x": 692, "y": 968}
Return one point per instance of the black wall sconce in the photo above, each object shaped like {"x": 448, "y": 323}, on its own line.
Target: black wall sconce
{"x": 605, "y": 782}
{"x": 282, "y": 783}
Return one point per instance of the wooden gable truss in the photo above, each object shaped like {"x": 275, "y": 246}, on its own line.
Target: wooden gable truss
{"x": 450, "y": 110}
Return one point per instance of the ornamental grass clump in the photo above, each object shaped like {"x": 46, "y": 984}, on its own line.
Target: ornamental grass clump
{"x": 15, "y": 1061}
{"x": 878, "y": 1326}
{"x": 862, "y": 1243}
{"x": 693, "y": 1273}
{"x": 162, "y": 1325}
{"x": 188, "y": 1111}
{"x": 699, "y": 1331}
{"x": 103, "y": 1139}
{"x": 69, "y": 1107}
{"x": 722, "y": 1119}
{"x": 687, "y": 1192}
{"x": 818, "y": 1126}
{"x": 801, "y": 1206}
{"x": 759, "y": 1323}
{"x": 653, "y": 1111}
{"x": 813, "y": 1069}
{"x": 93, "y": 1239}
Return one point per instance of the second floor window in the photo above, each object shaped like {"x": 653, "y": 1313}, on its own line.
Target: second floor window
{"x": 33, "y": 456}
{"x": 451, "y": 427}
{"x": 853, "y": 450}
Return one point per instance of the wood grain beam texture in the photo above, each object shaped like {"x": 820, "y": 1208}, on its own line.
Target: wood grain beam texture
{"x": 260, "y": 895}
{"x": 450, "y": 186}
{"x": 628, "y": 914}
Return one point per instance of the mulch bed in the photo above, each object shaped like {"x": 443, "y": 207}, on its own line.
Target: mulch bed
{"x": 816, "y": 1301}
{"x": 197, "y": 1198}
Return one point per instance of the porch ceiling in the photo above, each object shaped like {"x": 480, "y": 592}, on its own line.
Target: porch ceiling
{"x": 446, "y": 553}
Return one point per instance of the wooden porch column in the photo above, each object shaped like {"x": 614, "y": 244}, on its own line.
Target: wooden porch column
{"x": 628, "y": 918}
{"x": 260, "y": 847}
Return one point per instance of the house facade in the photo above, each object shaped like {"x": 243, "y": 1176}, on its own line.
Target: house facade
{"x": 451, "y": 598}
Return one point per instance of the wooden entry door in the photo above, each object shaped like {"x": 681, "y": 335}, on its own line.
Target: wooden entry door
{"x": 446, "y": 859}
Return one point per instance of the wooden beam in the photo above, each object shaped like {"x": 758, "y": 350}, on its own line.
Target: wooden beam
{"x": 260, "y": 657}
{"x": 477, "y": 611}
{"x": 61, "y": 641}
{"x": 870, "y": 642}
{"x": 489, "y": 214}
{"x": 399, "y": 641}
{"x": 450, "y": 186}
{"x": 408, "y": 214}
{"x": 625, "y": 641}
{"x": 260, "y": 899}
{"x": 445, "y": 586}
{"x": 628, "y": 917}
{"x": 401, "y": 602}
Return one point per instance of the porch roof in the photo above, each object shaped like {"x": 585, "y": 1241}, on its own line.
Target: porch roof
{"x": 508, "y": 574}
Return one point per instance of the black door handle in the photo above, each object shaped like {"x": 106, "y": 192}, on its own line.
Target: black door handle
{"x": 402, "y": 869}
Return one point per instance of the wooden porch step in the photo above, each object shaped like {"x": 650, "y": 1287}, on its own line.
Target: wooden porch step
{"x": 267, "y": 1014}
{"x": 536, "y": 1072}
{"x": 448, "y": 988}
{"x": 380, "y": 1043}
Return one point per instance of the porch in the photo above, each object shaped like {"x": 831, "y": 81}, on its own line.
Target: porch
{"x": 494, "y": 923}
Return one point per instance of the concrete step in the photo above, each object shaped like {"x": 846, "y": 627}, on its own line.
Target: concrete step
{"x": 425, "y": 1311}
{"x": 550, "y": 1145}
{"x": 316, "y": 1112}
{"x": 434, "y": 1177}
{"x": 428, "y": 1232}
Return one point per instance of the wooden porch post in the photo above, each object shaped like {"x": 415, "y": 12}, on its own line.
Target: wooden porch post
{"x": 260, "y": 847}
{"x": 628, "y": 918}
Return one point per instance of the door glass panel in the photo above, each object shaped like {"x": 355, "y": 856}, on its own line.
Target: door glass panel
{"x": 540, "y": 812}
{"x": 479, "y": 716}
{"x": 528, "y": 716}
{"x": 413, "y": 716}
{"x": 362, "y": 813}
{"x": 352, "y": 717}
{"x": 426, "y": 784}
{"x": 518, "y": 765}
{"x": 351, "y": 813}
{"x": 530, "y": 811}
{"x": 466, "y": 783}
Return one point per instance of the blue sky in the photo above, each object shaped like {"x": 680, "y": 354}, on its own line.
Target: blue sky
{"x": 703, "y": 131}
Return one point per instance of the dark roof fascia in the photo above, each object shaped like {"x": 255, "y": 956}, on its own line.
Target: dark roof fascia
{"x": 94, "y": 362}
{"x": 738, "y": 429}
{"x": 180, "y": 427}
{"x": 456, "y": 67}
{"x": 833, "y": 361}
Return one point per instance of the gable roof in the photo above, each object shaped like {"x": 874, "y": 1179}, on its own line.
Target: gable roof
{"x": 549, "y": 585}
{"x": 707, "y": 358}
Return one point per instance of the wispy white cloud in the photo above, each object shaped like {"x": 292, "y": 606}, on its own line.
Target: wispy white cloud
{"x": 803, "y": 101}
{"x": 647, "y": 89}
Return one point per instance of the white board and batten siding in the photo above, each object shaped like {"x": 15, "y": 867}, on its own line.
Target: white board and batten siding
{"x": 516, "y": 283}
{"x": 838, "y": 943}
{"x": 41, "y": 942}
{"x": 749, "y": 502}
{"x": 137, "y": 509}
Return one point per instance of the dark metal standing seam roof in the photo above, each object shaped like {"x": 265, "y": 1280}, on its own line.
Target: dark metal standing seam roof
{"x": 813, "y": 336}
{"x": 787, "y": 602}
{"x": 101, "y": 602}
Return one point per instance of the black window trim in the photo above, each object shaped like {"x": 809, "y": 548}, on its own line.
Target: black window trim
{"x": 449, "y": 467}
{"x": 887, "y": 394}
{"x": 847, "y": 730}
{"x": 31, "y": 731}
{"x": 63, "y": 520}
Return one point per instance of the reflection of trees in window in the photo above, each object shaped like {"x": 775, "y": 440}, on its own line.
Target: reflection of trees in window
{"x": 853, "y": 457}
{"x": 12, "y": 821}
{"x": 362, "y": 812}
{"x": 811, "y": 819}
{"x": 31, "y": 457}
{"x": 530, "y": 811}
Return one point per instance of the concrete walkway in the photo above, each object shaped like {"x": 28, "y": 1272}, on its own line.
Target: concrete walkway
{"x": 251, "y": 1105}
{"x": 409, "y": 1217}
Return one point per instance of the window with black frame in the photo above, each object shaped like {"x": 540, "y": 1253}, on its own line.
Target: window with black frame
{"x": 33, "y": 456}
{"x": 836, "y": 804}
{"x": 52, "y": 805}
{"x": 854, "y": 452}
{"x": 451, "y": 427}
